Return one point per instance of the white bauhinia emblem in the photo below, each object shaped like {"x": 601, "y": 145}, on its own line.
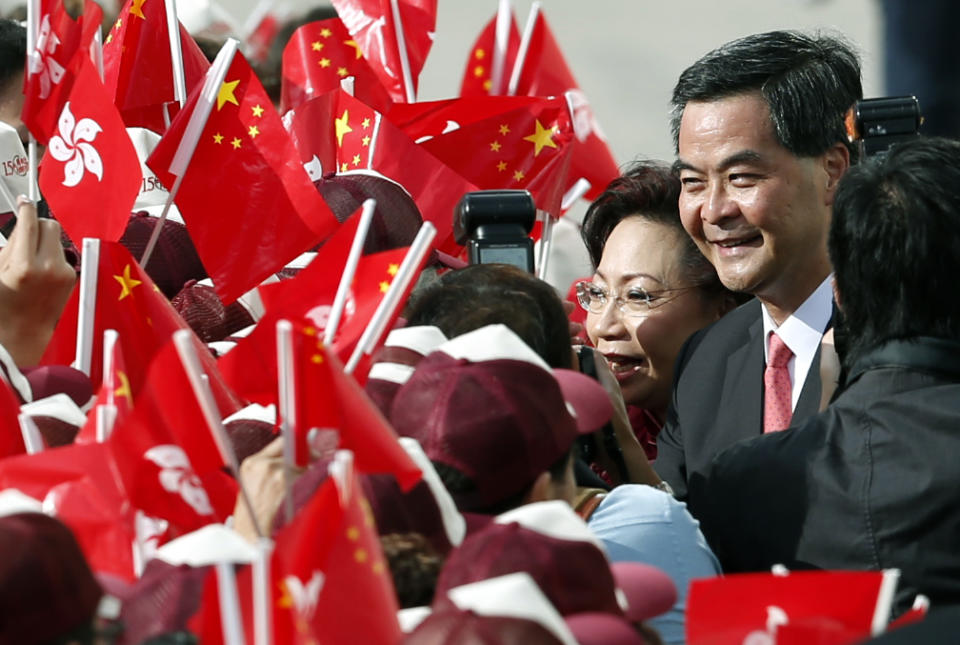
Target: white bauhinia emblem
{"x": 42, "y": 61}
{"x": 73, "y": 146}
{"x": 177, "y": 476}
{"x": 305, "y": 596}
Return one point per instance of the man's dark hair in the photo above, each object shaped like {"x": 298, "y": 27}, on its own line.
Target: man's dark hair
{"x": 414, "y": 565}
{"x": 895, "y": 248}
{"x": 486, "y": 294}
{"x": 649, "y": 190}
{"x": 809, "y": 82}
{"x": 13, "y": 49}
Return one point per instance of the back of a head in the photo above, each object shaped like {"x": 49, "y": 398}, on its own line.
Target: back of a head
{"x": 47, "y": 590}
{"x": 809, "y": 82}
{"x": 894, "y": 244}
{"x": 485, "y": 294}
{"x": 13, "y": 49}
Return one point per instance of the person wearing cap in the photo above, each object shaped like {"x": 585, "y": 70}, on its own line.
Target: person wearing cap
{"x": 500, "y": 431}
{"x": 47, "y": 591}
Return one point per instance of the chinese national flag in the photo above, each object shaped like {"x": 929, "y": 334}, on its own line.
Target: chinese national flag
{"x": 497, "y": 141}
{"x": 165, "y": 451}
{"x": 477, "y": 77}
{"x": 51, "y": 67}
{"x": 825, "y": 607}
{"x": 339, "y": 133}
{"x": 90, "y": 173}
{"x": 546, "y": 73}
{"x": 128, "y": 301}
{"x": 372, "y": 24}
{"x": 114, "y": 390}
{"x": 318, "y": 56}
{"x": 11, "y": 441}
{"x": 331, "y": 582}
{"x": 248, "y": 204}
{"x": 137, "y": 64}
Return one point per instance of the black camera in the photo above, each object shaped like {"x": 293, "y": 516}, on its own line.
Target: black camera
{"x": 495, "y": 226}
{"x": 877, "y": 124}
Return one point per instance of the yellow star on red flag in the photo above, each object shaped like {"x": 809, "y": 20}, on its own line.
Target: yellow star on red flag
{"x": 343, "y": 126}
{"x": 226, "y": 95}
{"x": 127, "y": 283}
{"x": 137, "y": 8}
{"x": 541, "y": 138}
{"x": 124, "y": 389}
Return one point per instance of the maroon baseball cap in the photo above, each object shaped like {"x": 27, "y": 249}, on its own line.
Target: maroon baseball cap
{"x": 452, "y": 626}
{"x": 46, "y": 586}
{"x": 574, "y": 574}
{"x": 501, "y": 422}
{"x": 603, "y": 629}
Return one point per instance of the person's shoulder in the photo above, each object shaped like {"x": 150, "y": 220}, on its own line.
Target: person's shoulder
{"x": 770, "y": 453}
{"x": 722, "y": 336}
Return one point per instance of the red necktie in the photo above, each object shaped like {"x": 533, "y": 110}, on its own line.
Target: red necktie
{"x": 777, "y": 391}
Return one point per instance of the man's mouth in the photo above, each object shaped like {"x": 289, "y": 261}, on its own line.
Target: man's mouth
{"x": 624, "y": 367}
{"x": 732, "y": 243}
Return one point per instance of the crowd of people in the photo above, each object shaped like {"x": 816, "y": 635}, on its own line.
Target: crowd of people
{"x": 762, "y": 372}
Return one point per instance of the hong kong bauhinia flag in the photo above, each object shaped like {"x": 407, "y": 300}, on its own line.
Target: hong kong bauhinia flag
{"x": 51, "y": 67}
{"x": 90, "y": 174}
{"x": 246, "y": 199}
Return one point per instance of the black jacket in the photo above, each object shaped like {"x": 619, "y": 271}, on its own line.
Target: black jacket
{"x": 873, "y": 482}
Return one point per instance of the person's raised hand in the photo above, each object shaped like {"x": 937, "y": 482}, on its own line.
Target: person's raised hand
{"x": 263, "y": 476}
{"x": 35, "y": 284}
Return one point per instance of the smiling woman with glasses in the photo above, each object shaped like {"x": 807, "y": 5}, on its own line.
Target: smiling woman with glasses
{"x": 651, "y": 289}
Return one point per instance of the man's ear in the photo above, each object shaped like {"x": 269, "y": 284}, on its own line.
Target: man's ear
{"x": 541, "y": 490}
{"x": 836, "y": 162}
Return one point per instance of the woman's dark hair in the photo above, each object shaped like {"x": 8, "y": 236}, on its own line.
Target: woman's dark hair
{"x": 649, "y": 190}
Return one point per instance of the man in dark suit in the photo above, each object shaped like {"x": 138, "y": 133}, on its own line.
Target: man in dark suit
{"x": 761, "y": 145}
{"x": 872, "y": 482}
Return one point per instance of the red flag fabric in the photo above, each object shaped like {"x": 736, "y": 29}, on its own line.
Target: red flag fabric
{"x": 546, "y": 73}
{"x": 166, "y": 453}
{"x": 337, "y": 132}
{"x": 11, "y": 441}
{"x": 318, "y": 56}
{"x": 114, "y": 391}
{"x": 497, "y": 141}
{"x": 51, "y": 67}
{"x": 826, "y": 607}
{"x": 242, "y": 236}
{"x": 90, "y": 174}
{"x": 478, "y": 75}
{"x": 327, "y": 397}
{"x": 331, "y": 580}
{"x": 372, "y": 24}
{"x": 128, "y": 301}
{"x": 80, "y": 485}
{"x": 137, "y": 65}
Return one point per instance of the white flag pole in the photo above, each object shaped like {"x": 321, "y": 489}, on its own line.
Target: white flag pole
{"x": 176, "y": 53}
{"x": 97, "y": 52}
{"x": 546, "y": 237}
{"x": 405, "y": 275}
{"x": 287, "y": 401}
{"x": 353, "y": 259}
{"x": 107, "y": 414}
{"x": 500, "y": 42}
{"x": 87, "y": 308}
{"x": 402, "y": 52}
{"x": 191, "y": 134}
{"x": 230, "y": 613}
{"x": 33, "y": 32}
{"x": 524, "y": 48}
{"x": 262, "y": 596}
{"x": 183, "y": 340}
{"x": 32, "y": 439}
{"x": 260, "y": 11}
{"x": 578, "y": 190}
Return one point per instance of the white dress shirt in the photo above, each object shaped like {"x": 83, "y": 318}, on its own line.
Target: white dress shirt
{"x": 802, "y": 332}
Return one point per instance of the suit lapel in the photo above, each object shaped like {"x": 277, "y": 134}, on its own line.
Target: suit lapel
{"x": 741, "y": 404}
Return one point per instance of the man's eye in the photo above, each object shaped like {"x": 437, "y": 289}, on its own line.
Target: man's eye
{"x": 742, "y": 179}
{"x": 691, "y": 183}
